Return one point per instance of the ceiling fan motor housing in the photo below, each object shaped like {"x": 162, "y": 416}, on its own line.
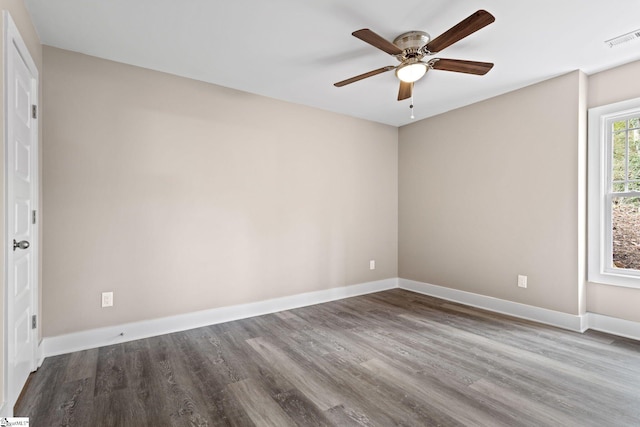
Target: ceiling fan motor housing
{"x": 412, "y": 44}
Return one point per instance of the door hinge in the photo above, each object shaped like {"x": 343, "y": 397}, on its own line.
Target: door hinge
{"x": 34, "y": 321}
{"x": 34, "y": 111}
{"x": 33, "y": 217}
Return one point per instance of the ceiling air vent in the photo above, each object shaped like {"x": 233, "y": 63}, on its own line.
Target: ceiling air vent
{"x": 623, "y": 38}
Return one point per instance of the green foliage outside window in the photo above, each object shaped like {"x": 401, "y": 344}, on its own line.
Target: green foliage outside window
{"x": 626, "y": 155}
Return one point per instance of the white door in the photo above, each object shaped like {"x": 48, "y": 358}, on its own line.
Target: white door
{"x": 21, "y": 165}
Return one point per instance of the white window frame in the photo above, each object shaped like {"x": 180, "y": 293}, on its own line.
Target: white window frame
{"x": 600, "y": 195}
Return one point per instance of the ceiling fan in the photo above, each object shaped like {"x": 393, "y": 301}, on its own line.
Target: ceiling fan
{"x": 411, "y": 48}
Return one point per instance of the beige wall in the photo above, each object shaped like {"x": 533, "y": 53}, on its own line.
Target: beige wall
{"x": 22, "y": 20}
{"x": 607, "y": 87}
{"x": 614, "y": 85}
{"x": 490, "y": 191}
{"x": 181, "y": 196}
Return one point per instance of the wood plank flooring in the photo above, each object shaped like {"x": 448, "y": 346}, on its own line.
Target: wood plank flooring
{"x": 393, "y": 358}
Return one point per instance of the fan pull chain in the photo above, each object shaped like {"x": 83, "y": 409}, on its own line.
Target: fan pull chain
{"x": 411, "y": 107}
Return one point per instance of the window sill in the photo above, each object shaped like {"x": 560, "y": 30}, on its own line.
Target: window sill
{"x": 615, "y": 279}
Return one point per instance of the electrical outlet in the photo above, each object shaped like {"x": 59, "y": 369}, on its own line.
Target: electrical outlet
{"x": 372, "y": 264}
{"x": 522, "y": 281}
{"x": 107, "y": 299}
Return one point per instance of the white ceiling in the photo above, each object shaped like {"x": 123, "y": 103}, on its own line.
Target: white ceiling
{"x": 294, "y": 50}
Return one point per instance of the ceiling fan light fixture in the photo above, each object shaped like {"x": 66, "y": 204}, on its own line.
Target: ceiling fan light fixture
{"x": 412, "y": 71}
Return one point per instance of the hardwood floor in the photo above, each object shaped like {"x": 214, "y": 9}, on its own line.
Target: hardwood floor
{"x": 384, "y": 359}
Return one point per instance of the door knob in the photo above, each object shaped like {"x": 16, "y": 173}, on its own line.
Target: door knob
{"x": 22, "y": 244}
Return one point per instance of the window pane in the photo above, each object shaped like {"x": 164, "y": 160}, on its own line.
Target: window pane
{"x": 618, "y": 187}
{"x": 634, "y": 155}
{"x": 621, "y": 125}
{"x": 634, "y": 123}
{"x": 619, "y": 152}
{"x": 626, "y": 233}
{"x": 634, "y": 186}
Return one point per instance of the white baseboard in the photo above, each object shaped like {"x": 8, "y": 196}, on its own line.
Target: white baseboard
{"x": 40, "y": 354}
{"x": 595, "y": 321}
{"x": 4, "y": 412}
{"x": 83, "y": 340}
{"x": 613, "y": 325}
{"x": 523, "y": 311}
{"x": 52, "y": 346}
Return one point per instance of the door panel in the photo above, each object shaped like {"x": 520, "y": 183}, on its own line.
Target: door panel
{"x": 21, "y": 223}
{"x": 22, "y": 161}
{"x": 21, "y": 282}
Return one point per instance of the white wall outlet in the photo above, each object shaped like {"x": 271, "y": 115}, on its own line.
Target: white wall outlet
{"x": 522, "y": 281}
{"x": 107, "y": 299}
{"x": 372, "y": 264}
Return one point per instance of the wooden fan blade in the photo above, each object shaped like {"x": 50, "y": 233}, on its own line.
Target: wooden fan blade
{"x": 368, "y": 36}
{"x": 364, "y": 76}
{"x": 406, "y": 89}
{"x": 468, "y": 26}
{"x": 460, "y": 66}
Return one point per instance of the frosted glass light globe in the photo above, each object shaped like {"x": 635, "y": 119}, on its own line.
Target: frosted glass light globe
{"x": 410, "y": 73}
